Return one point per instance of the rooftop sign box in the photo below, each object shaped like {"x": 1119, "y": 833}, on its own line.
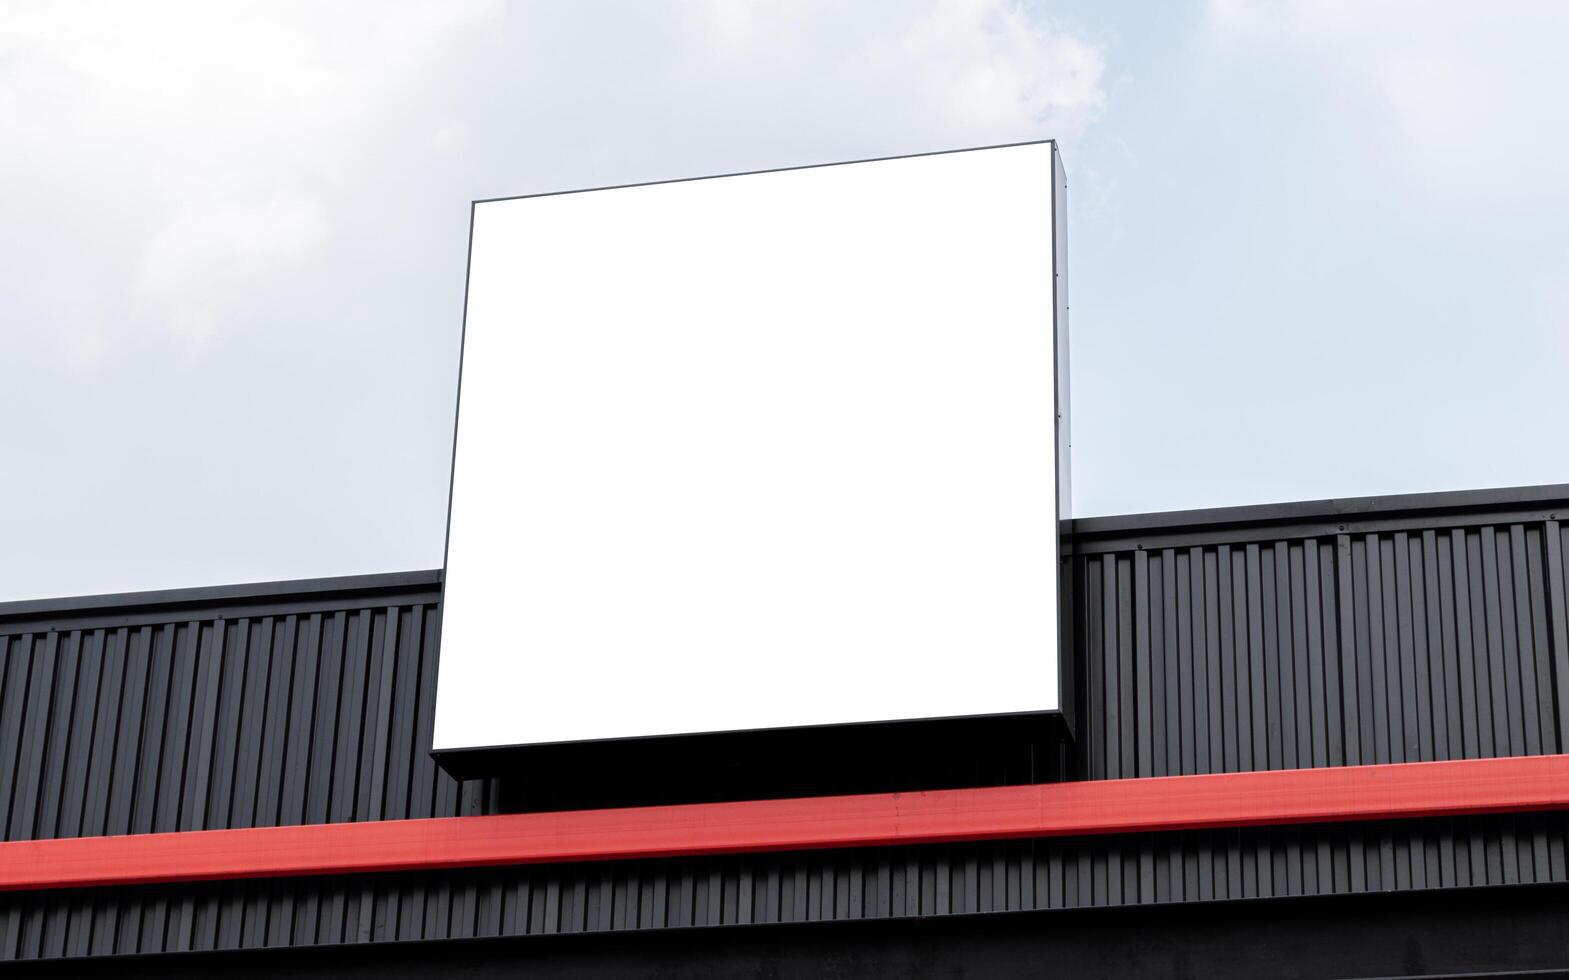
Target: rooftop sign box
{"x": 762, "y": 451}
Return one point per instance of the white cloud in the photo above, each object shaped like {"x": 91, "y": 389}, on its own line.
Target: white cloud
{"x": 212, "y": 149}
{"x": 204, "y": 143}
{"x": 1470, "y": 94}
{"x": 966, "y": 66}
{"x": 999, "y": 68}
{"x": 209, "y": 256}
{"x": 243, "y": 223}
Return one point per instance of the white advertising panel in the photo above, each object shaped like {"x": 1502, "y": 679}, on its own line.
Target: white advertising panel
{"x": 758, "y": 451}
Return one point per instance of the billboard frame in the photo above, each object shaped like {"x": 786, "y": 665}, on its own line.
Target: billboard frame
{"x": 1054, "y": 727}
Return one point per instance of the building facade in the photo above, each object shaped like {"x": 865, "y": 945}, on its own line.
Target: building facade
{"x": 1320, "y": 637}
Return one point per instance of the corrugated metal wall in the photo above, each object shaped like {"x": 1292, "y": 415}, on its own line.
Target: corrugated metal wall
{"x": 934, "y": 880}
{"x": 1226, "y": 647}
{"x": 247, "y": 722}
{"x": 1395, "y": 646}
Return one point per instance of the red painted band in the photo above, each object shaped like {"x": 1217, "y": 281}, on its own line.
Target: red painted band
{"x": 1424, "y": 789}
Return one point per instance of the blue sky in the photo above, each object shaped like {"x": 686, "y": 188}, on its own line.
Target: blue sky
{"x": 1330, "y": 258}
{"x": 1318, "y": 249}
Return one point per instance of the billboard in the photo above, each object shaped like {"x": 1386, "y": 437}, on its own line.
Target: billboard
{"x": 760, "y": 451}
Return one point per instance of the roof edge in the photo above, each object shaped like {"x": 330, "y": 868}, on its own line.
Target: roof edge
{"x": 421, "y": 580}
{"x": 1544, "y": 497}
{"x": 1330, "y": 510}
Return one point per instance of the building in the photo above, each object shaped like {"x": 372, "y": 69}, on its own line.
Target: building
{"x": 1287, "y": 648}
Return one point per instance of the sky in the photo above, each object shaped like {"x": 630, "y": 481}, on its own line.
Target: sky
{"x": 1318, "y": 249}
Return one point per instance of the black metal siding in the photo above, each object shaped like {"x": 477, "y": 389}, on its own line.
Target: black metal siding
{"x": 1493, "y": 932}
{"x": 780, "y": 888}
{"x": 248, "y": 722}
{"x": 1395, "y": 646}
{"x": 1209, "y": 646}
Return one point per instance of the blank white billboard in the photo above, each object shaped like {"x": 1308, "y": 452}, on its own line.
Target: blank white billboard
{"x": 757, "y": 451}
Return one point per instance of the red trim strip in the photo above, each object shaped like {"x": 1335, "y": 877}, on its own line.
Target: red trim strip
{"x": 1425, "y": 789}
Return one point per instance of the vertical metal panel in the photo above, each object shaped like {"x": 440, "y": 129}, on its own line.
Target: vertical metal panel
{"x": 1341, "y": 650}
{"x": 200, "y": 724}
